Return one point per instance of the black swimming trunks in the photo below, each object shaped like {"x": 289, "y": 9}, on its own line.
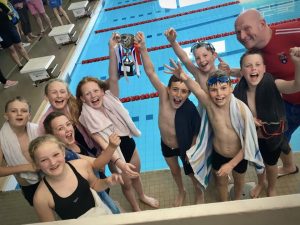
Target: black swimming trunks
{"x": 271, "y": 148}
{"x": 168, "y": 152}
{"x": 219, "y": 160}
{"x": 127, "y": 147}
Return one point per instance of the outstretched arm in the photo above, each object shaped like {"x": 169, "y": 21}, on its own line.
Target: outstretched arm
{"x": 194, "y": 87}
{"x": 113, "y": 79}
{"x": 181, "y": 54}
{"x": 292, "y": 86}
{"x": 10, "y": 170}
{"x": 147, "y": 63}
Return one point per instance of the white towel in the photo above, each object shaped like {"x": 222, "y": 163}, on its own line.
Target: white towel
{"x": 119, "y": 115}
{"x": 200, "y": 154}
{"x": 243, "y": 123}
{"x": 99, "y": 209}
{"x": 12, "y": 150}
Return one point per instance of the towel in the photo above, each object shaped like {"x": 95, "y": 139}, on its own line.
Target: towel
{"x": 96, "y": 122}
{"x": 243, "y": 124}
{"x": 12, "y": 150}
{"x": 199, "y": 155}
{"x": 267, "y": 97}
{"x": 99, "y": 209}
{"x": 119, "y": 116}
{"x": 187, "y": 125}
{"x": 242, "y": 120}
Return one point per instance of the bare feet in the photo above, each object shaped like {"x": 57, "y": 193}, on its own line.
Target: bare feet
{"x": 179, "y": 199}
{"x": 150, "y": 201}
{"x": 255, "y": 192}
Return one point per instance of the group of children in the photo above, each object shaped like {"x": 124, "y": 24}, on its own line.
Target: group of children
{"x": 78, "y": 136}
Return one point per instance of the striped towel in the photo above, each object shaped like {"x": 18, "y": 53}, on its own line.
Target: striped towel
{"x": 199, "y": 155}
{"x": 242, "y": 121}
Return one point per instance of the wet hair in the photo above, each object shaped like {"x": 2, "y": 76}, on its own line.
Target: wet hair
{"x": 71, "y": 103}
{"x": 251, "y": 52}
{"x": 17, "y": 98}
{"x": 173, "y": 79}
{"x": 102, "y": 85}
{"x": 47, "y": 122}
{"x": 37, "y": 142}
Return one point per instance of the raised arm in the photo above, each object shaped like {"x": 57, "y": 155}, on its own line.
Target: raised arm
{"x": 115, "y": 158}
{"x": 181, "y": 54}
{"x": 192, "y": 85}
{"x": 106, "y": 155}
{"x": 102, "y": 184}
{"x": 292, "y": 86}
{"x": 113, "y": 79}
{"x": 147, "y": 63}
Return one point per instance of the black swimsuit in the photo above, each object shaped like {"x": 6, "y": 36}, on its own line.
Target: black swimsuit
{"x": 78, "y": 203}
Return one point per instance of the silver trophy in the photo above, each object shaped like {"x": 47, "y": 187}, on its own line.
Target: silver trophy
{"x": 127, "y": 42}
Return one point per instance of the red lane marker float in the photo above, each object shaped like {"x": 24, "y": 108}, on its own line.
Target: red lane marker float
{"x": 167, "y": 17}
{"x": 128, "y": 5}
{"x": 153, "y": 95}
{"x": 86, "y": 61}
{"x": 139, "y": 97}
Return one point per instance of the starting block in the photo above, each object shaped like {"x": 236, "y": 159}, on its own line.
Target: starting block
{"x": 63, "y": 34}
{"x": 38, "y": 69}
{"x": 79, "y": 9}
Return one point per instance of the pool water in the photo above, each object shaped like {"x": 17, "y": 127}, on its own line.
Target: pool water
{"x": 191, "y": 26}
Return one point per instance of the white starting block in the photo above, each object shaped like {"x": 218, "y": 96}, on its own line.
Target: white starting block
{"x": 79, "y": 9}
{"x": 62, "y": 34}
{"x": 37, "y": 68}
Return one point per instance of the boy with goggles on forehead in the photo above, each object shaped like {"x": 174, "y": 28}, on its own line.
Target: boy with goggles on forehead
{"x": 231, "y": 122}
{"x": 204, "y": 54}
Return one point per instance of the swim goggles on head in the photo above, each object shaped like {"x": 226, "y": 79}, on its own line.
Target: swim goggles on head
{"x": 205, "y": 44}
{"x": 218, "y": 79}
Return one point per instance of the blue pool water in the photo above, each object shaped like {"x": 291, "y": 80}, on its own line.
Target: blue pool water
{"x": 189, "y": 27}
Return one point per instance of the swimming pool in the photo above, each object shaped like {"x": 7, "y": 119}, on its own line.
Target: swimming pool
{"x": 195, "y": 25}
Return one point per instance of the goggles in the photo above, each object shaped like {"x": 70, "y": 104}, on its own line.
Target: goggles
{"x": 205, "y": 44}
{"x": 218, "y": 79}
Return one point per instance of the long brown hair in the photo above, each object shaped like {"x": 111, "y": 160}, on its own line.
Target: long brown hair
{"x": 102, "y": 84}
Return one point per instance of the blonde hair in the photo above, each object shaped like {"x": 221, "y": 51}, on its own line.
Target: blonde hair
{"x": 73, "y": 111}
{"x": 37, "y": 142}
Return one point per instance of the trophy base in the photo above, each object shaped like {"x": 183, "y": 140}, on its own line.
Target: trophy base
{"x": 129, "y": 71}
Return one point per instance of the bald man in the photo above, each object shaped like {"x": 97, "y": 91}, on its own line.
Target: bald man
{"x": 253, "y": 32}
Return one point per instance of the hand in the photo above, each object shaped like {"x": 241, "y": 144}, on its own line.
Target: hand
{"x": 128, "y": 169}
{"x": 257, "y": 122}
{"x": 225, "y": 170}
{"x": 114, "y": 141}
{"x": 223, "y": 66}
{"x": 114, "y": 179}
{"x": 176, "y": 70}
{"x": 295, "y": 54}
{"x": 139, "y": 40}
{"x": 171, "y": 34}
{"x": 114, "y": 39}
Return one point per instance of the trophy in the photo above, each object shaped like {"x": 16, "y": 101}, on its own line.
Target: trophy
{"x": 127, "y": 42}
